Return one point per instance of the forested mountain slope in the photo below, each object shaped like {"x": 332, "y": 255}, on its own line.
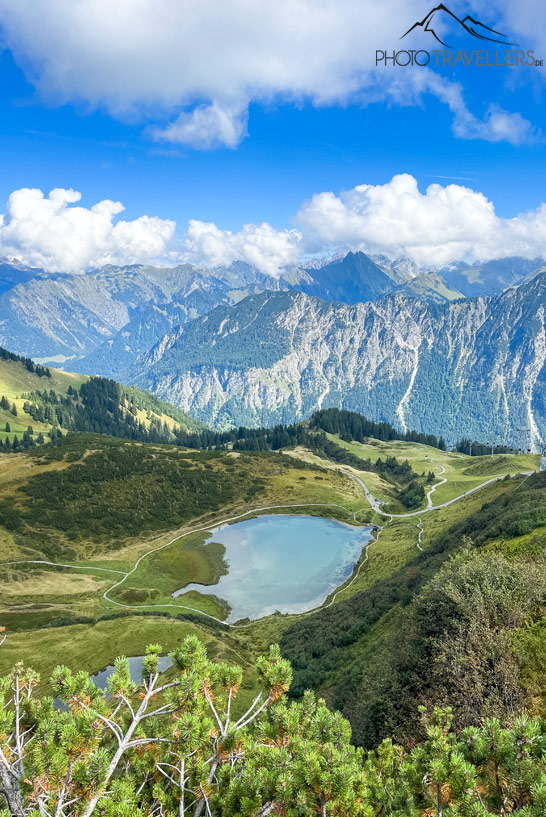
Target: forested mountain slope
{"x": 37, "y": 403}
{"x": 469, "y": 368}
{"x": 103, "y": 319}
{"x": 70, "y": 315}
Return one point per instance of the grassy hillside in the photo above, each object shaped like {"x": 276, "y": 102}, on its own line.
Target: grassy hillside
{"x": 372, "y": 654}
{"x": 92, "y": 646}
{"x": 15, "y": 381}
{"x": 55, "y": 401}
{"x": 16, "y": 378}
{"x": 94, "y": 505}
{"x": 100, "y": 503}
{"x": 462, "y": 473}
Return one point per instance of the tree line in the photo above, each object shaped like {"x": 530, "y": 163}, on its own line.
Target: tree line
{"x": 30, "y": 365}
{"x": 105, "y": 407}
{"x": 350, "y": 425}
{"x": 476, "y": 449}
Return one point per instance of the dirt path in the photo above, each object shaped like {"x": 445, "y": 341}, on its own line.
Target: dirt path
{"x": 442, "y": 481}
{"x": 373, "y": 501}
{"x": 376, "y": 503}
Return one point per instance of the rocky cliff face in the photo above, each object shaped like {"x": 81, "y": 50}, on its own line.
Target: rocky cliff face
{"x": 469, "y": 368}
{"x": 74, "y": 315}
{"x": 103, "y": 319}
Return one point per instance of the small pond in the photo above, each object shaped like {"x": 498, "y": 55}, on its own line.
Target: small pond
{"x": 135, "y": 670}
{"x": 285, "y": 563}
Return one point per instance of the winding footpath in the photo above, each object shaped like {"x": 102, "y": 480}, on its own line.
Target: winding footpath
{"x": 420, "y": 536}
{"x": 374, "y": 502}
{"x": 442, "y": 481}
{"x": 203, "y": 529}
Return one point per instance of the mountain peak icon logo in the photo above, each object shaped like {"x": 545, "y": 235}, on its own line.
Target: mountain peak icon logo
{"x": 441, "y": 19}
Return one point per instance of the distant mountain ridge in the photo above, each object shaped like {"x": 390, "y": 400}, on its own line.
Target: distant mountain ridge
{"x": 352, "y": 279}
{"x": 473, "y": 367}
{"x": 13, "y": 273}
{"x": 429, "y": 286}
{"x": 99, "y": 322}
{"x": 490, "y": 277}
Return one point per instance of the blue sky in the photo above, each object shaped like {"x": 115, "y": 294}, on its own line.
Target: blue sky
{"x": 294, "y": 144}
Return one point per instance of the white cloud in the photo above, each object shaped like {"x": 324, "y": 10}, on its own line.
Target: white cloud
{"x": 409, "y": 87}
{"x": 208, "y": 126}
{"x": 258, "y": 244}
{"x": 443, "y": 224}
{"x": 498, "y": 126}
{"x": 52, "y": 234}
{"x": 191, "y": 69}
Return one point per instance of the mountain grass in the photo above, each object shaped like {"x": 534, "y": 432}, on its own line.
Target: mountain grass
{"x": 93, "y": 647}
{"x": 16, "y": 380}
{"x": 96, "y": 501}
{"x": 99, "y": 502}
{"x": 58, "y": 402}
{"x": 463, "y": 472}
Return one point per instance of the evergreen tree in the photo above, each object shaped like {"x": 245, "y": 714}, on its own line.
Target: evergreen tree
{"x": 175, "y": 749}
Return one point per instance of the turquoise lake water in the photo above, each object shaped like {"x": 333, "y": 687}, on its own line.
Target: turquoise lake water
{"x": 288, "y": 563}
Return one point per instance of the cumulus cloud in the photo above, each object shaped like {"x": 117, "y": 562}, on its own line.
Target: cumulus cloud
{"x": 443, "y": 224}
{"x": 258, "y": 244}
{"x": 193, "y": 68}
{"x": 50, "y": 233}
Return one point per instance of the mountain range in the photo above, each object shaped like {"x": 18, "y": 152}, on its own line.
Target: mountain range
{"x": 102, "y": 320}
{"x": 473, "y": 367}
{"x": 106, "y": 314}
{"x": 455, "y": 351}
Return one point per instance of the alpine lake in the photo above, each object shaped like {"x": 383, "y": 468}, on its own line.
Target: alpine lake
{"x": 282, "y": 563}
